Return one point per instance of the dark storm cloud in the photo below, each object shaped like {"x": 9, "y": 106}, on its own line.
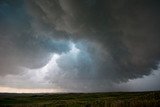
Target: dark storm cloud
{"x": 127, "y": 30}
{"x": 117, "y": 40}
{"x": 20, "y": 44}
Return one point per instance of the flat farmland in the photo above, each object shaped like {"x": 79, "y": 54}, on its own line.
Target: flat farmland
{"x": 109, "y": 99}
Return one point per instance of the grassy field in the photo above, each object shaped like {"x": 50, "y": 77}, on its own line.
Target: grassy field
{"x": 112, "y": 99}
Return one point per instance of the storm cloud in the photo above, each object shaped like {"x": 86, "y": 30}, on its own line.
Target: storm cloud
{"x": 98, "y": 42}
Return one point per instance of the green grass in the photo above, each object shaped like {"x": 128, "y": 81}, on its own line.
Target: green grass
{"x": 113, "y": 99}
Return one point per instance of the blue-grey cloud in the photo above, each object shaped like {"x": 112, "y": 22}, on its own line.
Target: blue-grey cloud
{"x": 20, "y": 44}
{"x": 127, "y": 31}
{"x": 117, "y": 41}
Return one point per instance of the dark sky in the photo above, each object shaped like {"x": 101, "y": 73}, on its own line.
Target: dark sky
{"x": 80, "y": 45}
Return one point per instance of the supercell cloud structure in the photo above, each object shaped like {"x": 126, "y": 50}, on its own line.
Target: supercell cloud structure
{"x": 79, "y": 45}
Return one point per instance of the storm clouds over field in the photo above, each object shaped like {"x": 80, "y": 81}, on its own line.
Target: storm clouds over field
{"x": 80, "y": 45}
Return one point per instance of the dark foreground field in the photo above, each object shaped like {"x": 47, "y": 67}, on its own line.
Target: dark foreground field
{"x": 117, "y": 99}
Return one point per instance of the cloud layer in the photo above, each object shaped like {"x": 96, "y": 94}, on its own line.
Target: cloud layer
{"x": 98, "y": 42}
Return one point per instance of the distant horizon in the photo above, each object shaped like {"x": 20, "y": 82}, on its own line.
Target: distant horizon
{"x": 81, "y": 92}
{"x": 43, "y": 91}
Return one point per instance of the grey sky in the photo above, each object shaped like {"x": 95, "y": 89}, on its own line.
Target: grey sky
{"x": 82, "y": 45}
